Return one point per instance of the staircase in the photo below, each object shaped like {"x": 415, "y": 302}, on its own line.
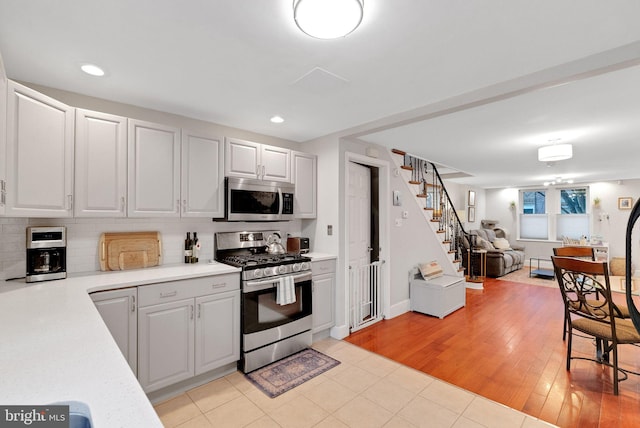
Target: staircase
{"x": 425, "y": 183}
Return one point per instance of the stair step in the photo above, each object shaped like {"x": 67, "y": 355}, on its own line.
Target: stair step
{"x": 431, "y": 184}
{"x": 421, "y": 195}
{"x": 457, "y": 261}
{"x": 435, "y": 220}
{"x": 440, "y": 231}
{"x": 408, "y": 168}
{"x": 428, "y": 209}
{"x": 447, "y": 241}
{"x": 460, "y": 269}
{"x": 414, "y": 182}
{"x": 452, "y": 251}
{"x": 398, "y": 152}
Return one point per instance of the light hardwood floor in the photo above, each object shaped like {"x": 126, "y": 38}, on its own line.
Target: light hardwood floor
{"x": 506, "y": 345}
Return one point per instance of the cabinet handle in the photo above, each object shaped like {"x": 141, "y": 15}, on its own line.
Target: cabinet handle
{"x": 199, "y": 309}
{"x": 263, "y": 171}
{"x": 184, "y": 205}
{"x": 133, "y": 303}
{"x": 69, "y": 202}
{"x": 191, "y": 311}
{"x": 168, "y": 293}
{"x": 178, "y": 206}
{"x": 258, "y": 171}
{"x": 122, "y": 203}
{"x": 3, "y": 192}
{"x": 219, "y": 285}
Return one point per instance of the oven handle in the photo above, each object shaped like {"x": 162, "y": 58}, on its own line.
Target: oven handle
{"x": 266, "y": 283}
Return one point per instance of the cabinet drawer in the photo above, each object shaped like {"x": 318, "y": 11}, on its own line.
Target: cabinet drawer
{"x": 324, "y": 266}
{"x": 188, "y": 288}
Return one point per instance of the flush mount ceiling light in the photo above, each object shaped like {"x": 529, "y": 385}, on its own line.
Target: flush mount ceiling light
{"x": 327, "y": 19}
{"x": 555, "y": 152}
{"x": 277, "y": 119}
{"x": 92, "y": 69}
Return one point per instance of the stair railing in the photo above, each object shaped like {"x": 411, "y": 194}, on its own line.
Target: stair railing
{"x": 425, "y": 174}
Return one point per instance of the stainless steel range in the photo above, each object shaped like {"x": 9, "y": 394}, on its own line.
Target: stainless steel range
{"x": 276, "y": 296}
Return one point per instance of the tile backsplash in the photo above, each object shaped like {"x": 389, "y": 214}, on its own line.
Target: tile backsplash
{"x": 83, "y": 236}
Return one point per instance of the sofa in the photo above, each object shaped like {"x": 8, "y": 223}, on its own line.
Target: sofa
{"x": 502, "y": 256}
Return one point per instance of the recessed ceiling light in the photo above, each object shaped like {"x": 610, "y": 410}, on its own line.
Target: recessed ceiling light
{"x": 277, "y": 119}
{"x": 92, "y": 69}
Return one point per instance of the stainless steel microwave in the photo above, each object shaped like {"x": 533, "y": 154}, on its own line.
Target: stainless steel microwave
{"x": 258, "y": 200}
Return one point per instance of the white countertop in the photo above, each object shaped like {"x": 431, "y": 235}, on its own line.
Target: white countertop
{"x": 55, "y": 347}
{"x": 316, "y": 257}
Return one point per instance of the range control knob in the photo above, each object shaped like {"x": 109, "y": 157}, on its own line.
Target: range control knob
{"x": 282, "y": 269}
{"x": 268, "y": 271}
{"x": 296, "y": 267}
{"x": 305, "y": 266}
{"x": 258, "y": 273}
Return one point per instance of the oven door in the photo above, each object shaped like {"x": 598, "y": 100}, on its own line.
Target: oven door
{"x": 260, "y": 312}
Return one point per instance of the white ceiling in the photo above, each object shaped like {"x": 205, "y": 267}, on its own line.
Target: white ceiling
{"x": 239, "y": 62}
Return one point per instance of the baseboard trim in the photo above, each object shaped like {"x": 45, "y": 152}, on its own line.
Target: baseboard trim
{"x": 340, "y": 332}
{"x": 399, "y": 309}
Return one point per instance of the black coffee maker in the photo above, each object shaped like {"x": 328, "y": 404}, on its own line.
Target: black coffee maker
{"x": 46, "y": 253}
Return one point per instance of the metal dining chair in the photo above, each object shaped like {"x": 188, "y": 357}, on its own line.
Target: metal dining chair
{"x": 599, "y": 319}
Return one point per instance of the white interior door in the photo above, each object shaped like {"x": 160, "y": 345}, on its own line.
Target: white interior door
{"x": 359, "y": 197}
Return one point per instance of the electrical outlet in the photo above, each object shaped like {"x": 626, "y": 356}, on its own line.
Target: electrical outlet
{"x": 329, "y": 230}
{"x": 405, "y": 214}
{"x": 398, "y": 222}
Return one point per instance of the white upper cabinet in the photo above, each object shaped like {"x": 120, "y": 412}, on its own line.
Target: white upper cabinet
{"x": 276, "y": 163}
{"x": 154, "y": 170}
{"x": 247, "y": 159}
{"x": 101, "y": 165}
{"x": 305, "y": 176}
{"x": 39, "y": 155}
{"x": 3, "y": 137}
{"x": 202, "y": 175}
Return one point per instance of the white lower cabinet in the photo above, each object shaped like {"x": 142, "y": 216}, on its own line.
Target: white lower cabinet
{"x": 217, "y": 331}
{"x": 166, "y": 344}
{"x": 324, "y": 284}
{"x": 195, "y": 330}
{"x": 118, "y": 310}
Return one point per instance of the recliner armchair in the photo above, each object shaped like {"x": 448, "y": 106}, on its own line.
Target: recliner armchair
{"x": 502, "y": 256}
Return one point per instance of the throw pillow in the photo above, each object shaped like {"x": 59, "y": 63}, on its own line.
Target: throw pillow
{"x": 430, "y": 270}
{"x": 484, "y": 244}
{"x": 491, "y": 235}
{"x": 501, "y": 244}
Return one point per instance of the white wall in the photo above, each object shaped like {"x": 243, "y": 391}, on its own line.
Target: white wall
{"x": 612, "y": 229}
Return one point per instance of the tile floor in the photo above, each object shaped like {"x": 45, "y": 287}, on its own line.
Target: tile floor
{"x": 365, "y": 390}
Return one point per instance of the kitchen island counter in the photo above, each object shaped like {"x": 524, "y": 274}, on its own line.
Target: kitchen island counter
{"x": 55, "y": 346}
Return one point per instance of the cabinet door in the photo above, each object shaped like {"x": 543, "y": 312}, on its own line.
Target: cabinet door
{"x": 165, "y": 344}
{"x": 241, "y": 158}
{"x": 323, "y": 290}
{"x": 101, "y": 164}
{"x": 154, "y": 170}
{"x": 305, "y": 176}
{"x": 39, "y": 154}
{"x": 202, "y": 176}
{"x": 217, "y": 330}
{"x": 118, "y": 310}
{"x": 275, "y": 163}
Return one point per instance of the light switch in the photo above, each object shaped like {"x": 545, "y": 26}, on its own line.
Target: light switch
{"x": 398, "y": 222}
{"x": 397, "y": 198}
{"x": 405, "y": 214}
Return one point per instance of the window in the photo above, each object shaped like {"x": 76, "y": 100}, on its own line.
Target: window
{"x": 534, "y": 222}
{"x": 554, "y": 213}
{"x": 573, "y": 201}
{"x": 533, "y": 202}
{"x": 573, "y": 220}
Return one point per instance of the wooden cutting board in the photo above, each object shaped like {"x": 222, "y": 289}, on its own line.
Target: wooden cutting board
{"x": 130, "y": 250}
